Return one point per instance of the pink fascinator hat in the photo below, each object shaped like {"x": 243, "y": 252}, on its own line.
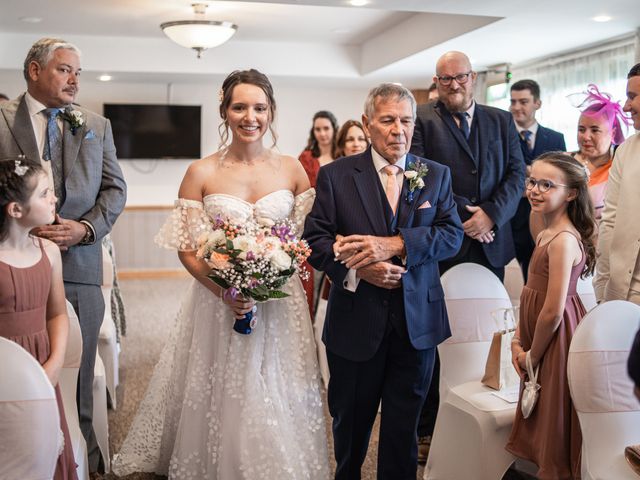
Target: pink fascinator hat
{"x": 595, "y": 103}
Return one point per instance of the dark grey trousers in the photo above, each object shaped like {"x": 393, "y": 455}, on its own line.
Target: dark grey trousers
{"x": 88, "y": 303}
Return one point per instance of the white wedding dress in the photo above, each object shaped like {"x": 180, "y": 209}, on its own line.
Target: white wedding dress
{"x": 226, "y": 406}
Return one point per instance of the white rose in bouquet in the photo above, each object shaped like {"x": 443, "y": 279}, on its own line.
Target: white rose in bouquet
{"x": 281, "y": 260}
{"x": 217, "y": 237}
{"x": 270, "y": 245}
{"x": 246, "y": 244}
{"x": 410, "y": 174}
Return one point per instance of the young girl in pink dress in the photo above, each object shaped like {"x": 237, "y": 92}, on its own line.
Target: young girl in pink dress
{"x": 33, "y": 310}
{"x": 550, "y": 311}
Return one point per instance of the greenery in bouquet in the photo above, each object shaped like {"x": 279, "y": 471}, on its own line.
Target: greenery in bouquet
{"x": 254, "y": 259}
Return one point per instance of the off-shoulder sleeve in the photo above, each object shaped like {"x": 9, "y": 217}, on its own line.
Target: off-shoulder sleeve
{"x": 187, "y": 222}
{"x": 301, "y": 207}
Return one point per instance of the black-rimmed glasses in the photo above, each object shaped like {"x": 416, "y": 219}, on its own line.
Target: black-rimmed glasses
{"x": 543, "y": 184}
{"x": 461, "y": 78}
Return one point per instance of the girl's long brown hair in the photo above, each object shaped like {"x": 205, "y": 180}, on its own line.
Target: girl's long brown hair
{"x": 580, "y": 209}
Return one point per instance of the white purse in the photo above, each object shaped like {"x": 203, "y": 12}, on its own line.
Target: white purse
{"x": 531, "y": 389}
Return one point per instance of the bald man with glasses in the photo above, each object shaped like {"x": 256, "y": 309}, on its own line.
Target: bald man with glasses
{"x": 480, "y": 145}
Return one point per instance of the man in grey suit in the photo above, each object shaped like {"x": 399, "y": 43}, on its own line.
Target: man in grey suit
{"x": 75, "y": 146}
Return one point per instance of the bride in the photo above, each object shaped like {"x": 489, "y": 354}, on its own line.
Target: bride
{"x": 221, "y": 405}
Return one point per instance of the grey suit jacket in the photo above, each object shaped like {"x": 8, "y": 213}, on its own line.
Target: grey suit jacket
{"x": 95, "y": 186}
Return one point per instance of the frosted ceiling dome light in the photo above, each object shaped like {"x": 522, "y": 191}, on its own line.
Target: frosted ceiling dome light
{"x": 199, "y": 34}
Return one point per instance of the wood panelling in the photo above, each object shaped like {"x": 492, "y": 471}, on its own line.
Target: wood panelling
{"x": 133, "y": 236}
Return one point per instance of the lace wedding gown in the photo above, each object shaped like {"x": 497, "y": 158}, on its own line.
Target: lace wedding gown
{"x": 226, "y": 406}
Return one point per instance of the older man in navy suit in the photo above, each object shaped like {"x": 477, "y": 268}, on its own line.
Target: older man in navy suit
{"x": 381, "y": 222}
{"x": 480, "y": 145}
{"x": 534, "y": 141}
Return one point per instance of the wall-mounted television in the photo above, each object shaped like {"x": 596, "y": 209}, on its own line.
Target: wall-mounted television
{"x": 155, "y": 131}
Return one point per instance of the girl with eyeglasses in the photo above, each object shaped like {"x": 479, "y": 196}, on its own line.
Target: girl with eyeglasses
{"x": 550, "y": 311}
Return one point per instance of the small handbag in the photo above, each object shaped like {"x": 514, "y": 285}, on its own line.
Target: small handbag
{"x": 531, "y": 389}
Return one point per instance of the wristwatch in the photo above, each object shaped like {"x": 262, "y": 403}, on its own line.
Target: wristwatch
{"x": 89, "y": 237}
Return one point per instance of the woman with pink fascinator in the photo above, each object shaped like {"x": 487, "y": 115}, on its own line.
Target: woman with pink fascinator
{"x": 600, "y": 131}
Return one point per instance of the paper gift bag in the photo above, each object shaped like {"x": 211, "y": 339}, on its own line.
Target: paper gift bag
{"x": 499, "y": 372}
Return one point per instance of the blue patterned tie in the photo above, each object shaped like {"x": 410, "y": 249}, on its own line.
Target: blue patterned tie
{"x": 526, "y": 136}
{"x": 53, "y": 151}
{"x": 464, "y": 124}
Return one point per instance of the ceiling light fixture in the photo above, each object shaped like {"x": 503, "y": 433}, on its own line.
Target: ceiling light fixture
{"x": 358, "y": 3}
{"x": 199, "y": 34}
{"x": 105, "y": 78}
{"x": 601, "y": 18}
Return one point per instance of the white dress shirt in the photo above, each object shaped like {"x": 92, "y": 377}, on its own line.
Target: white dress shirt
{"x": 534, "y": 131}
{"x": 469, "y": 113}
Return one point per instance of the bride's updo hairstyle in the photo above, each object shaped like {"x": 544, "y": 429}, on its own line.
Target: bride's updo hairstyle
{"x": 250, "y": 77}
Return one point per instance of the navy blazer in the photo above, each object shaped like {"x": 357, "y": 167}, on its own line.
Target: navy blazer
{"x": 492, "y": 177}
{"x": 548, "y": 140}
{"x": 350, "y": 201}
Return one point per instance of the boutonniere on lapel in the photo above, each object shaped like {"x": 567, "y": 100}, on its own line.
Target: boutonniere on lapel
{"x": 75, "y": 119}
{"x": 415, "y": 173}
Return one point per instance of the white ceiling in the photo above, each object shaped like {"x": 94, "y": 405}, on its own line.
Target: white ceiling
{"x": 321, "y": 41}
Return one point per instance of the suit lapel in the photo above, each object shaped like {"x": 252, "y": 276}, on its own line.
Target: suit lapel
{"x": 484, "y": 135}
{"x": 540, "y": 142}
{"x": 19, "y": 124}
{"x": 368, "y": 186}
{"x": 448, "y": 120}
{"x": 70, "y": 146}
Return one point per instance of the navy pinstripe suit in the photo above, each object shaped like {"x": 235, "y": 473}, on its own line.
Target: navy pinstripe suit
{"x": 381, "y": 343}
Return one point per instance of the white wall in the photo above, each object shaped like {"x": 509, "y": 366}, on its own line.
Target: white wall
{"x": 156, "y": 182}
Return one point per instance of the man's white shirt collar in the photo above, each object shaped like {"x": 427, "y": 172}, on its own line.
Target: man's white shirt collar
{"x": 379, "y": 162}
{"x": 533, "y": 128}
{"x": 33, "y": 105}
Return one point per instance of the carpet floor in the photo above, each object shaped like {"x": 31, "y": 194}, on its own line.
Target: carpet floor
{"x": 151, "y": 306}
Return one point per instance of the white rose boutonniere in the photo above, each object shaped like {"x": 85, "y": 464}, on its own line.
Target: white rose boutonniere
{"x": 415, "y": 173}
{"x": 75, "y": 119}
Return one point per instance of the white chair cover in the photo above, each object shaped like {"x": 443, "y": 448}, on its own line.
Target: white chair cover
{"x": 514, "y": 281}
{"x": 473, "y": 424}
{"x": 586, "y": 292}
{"x": 68, "y": 385}
{"x": 318, "y": 325}
{"x": 30, "y": 435}
{"x": 601, "y": 390}
{"x": 108, "y": 347}
{"x": 100, "y": 419}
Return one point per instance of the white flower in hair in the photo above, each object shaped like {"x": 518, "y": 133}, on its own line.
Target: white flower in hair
{"x": 20, "y": 169}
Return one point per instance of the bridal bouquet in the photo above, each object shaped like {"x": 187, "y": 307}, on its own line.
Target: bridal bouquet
{"x": 253, "y": 259}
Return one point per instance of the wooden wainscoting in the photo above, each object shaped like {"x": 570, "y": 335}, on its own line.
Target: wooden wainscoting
{"x": 137, "y": 255}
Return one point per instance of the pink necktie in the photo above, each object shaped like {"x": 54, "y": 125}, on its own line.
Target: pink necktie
{"x": 392, "y": 190}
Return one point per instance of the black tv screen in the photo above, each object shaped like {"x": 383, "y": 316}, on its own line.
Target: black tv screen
{"x": 155, "y": 131}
